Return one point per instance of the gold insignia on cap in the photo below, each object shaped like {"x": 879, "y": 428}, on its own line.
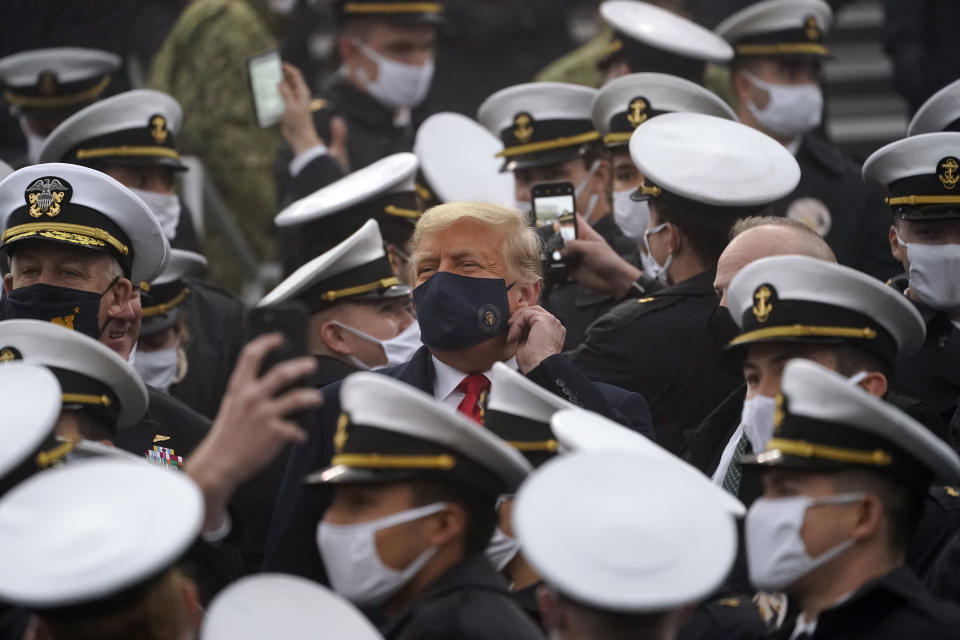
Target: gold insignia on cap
{"x": 729, "y": 602}
{"x": 779, "y": 413}
{"x": 160, "y": 438}
{"x": 811, "y": 29}
{"x": 522, "y": 127}
{"x": 158, "y": 129}
{"x": 8, "y": 353}
{"x": 635, "y": 112}
{"x": 762, "y": 307}
{"x": 46, "y": 195}
{"x": 47, "y": 83}
{"x": 952, "y": 491}
{"x": 340, "y": 437}
{"x": 947, "y": 172}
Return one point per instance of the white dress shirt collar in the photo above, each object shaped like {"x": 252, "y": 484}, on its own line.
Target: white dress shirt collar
{"x": 446, "y": 379}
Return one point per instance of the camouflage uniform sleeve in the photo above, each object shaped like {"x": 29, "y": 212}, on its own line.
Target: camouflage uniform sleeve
{"x": 580, "y": 65}
{"x": 202, "y": 64}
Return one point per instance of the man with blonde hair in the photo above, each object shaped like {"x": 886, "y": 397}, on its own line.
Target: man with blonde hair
{"x": 476, "y": 278}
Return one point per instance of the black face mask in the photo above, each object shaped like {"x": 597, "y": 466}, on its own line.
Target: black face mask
{"x": 456, "y": 312}
{"x": 71, "y": 308}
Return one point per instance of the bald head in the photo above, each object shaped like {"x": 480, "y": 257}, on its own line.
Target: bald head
{"x": 754, "y": 241}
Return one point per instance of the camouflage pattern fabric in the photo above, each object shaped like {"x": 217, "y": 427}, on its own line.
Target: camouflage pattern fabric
{"x": 202, "y": 64}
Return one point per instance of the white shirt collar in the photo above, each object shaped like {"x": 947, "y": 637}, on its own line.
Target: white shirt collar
{"x": 447, "y": 378}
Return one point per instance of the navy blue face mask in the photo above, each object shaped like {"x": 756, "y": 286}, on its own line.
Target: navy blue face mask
{"x": 456, "y": 312}
{"x": 72, "y": 308}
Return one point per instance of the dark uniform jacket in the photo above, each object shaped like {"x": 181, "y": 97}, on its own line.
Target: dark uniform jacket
{"x": 259, "y": 496}
{"x": 330, "y": 370}
{"x": 576, "y": 305}
{"x": 894, "y": 606}
{"x": 292, "y": 546}
{"x": 468, "y": 602}
{"x": 857, "y": 217}
{"x": 667, "y": 347}
{"x": 371, "y": 135}
{"x": 932, "y": 374}
{"x": 216, "y": 322}
{"x": 730, "y": 617}
{"x": 168, "y": 424}
{"x": 185, "y": 236}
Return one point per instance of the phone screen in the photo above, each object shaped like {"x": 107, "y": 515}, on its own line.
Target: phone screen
{"x": 266, "y": 72}
{"x": 557, "y": 211}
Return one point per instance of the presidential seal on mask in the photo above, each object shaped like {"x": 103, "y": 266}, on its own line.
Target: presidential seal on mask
{"x": 476, "y": 285}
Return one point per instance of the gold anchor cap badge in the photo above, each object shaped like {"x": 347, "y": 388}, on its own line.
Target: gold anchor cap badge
{"x": 636, "y": 112}
{"x": 947, "y": 172}
{"x": 158, "y": 129}
{"x": 811, "y": 29}
{"x": 522, "y": 127}
{"x": 762, "y": 307}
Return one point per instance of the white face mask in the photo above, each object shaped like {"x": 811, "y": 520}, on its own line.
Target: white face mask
{"x": 792, "y": 111}
{"x": 632, "y": 217}
{"x": 757, "y": 421}
{"x": 661, "y": 273}
{"x": 165, "y": 208}
{"x": 935, "y": 274}
{"x": 353, "y": 565}
{"x": 397, "y": 84}
{"x": 776, "y": 554}
{"x": 594, "y": 198}
{"x": 398, "y": 349}
{"x": 157, "y": 368}
{"x": 501, "y": 549}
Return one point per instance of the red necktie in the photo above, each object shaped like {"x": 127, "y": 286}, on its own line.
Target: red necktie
{"x": 474, "y": 388}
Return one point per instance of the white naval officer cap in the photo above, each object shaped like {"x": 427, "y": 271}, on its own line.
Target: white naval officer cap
{"x": 390, "y": 431}
{"x": 80, "y": 207}
{"x": 277, "y": 605}
{"x": 633, "y": 536}
{"x": 92, "y": 377}
{"x": 77, "y": 534}
{"x": 161, "y": 298}
{"x": 712, "y": 161}
{"x": 941, "y": 112}
{"x": 805, "y": 300}
{"x": 56, "y": 78}
{"x": 623, "y": 104}
{"x": 391, "y": 175}
{"x": 540, "y": 123}
{"x": 779, "y": 28}
{"x": 519, "y": 410}
{"x": 825, "y": 423}
{"x": 31, "y": 408}
{"x": 663, "y": 30}
{"x": 136, "y": 127}
{"x": 357, "y": 269}
{"x": 457, "y": 161}
{"x": 921, "y": 174}
{"x": 580, "y": 430}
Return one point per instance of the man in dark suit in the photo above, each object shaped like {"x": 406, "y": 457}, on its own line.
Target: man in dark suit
{"x": 465, "y": 255}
